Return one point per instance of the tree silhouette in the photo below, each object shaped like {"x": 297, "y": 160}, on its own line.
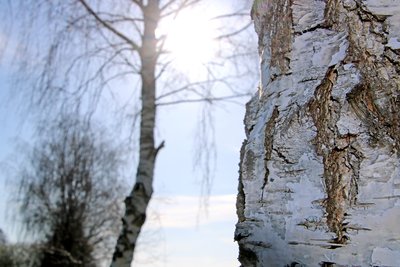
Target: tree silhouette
{"x": 70, "y": 193}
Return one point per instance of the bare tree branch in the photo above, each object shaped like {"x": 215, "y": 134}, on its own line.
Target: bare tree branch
{"x": 206, "y": 99}
{"x": 185, "y": 88}
{"x": 107, "y": 26}
{"x": 230, "y": 15}
{"x": 183, "y": 5}
{"x": 234, "y": 33}
{"x": 138, "y": 3}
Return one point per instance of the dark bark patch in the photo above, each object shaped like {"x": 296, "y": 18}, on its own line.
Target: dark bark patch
{"x": 324, "y": 113}
{"x": 294, "y": 264}
{"x": 241, "y": 199}
{"x": 380, "y": 123}
{"x": 327, "y": 264}
{"x": 269, "y": 143}
{"x": 375, "y": 100}
{"x": 362, "y": 102}
{"x": 248, "y": 161}
{"x": 280, "y": 21}
{"x": 240, "y": 203}
{"x": 334, "y": 171}
{"x": 247, "y": 257}
{"x": 277, "y": 32}
{"x": 341, "y": 161}
{"x": 332, "y": 13}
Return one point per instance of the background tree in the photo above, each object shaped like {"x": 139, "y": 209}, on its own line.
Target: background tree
{"x": 319, "y": 179}
{"x": 6, "y": 258}
{"x": 70, "y": 193}
{"x": 3, "y": 239}
{"x": 17, "y": 255}
{"x": 87, "y": 47}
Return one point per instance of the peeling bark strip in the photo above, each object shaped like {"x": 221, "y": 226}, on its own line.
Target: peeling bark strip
{"x": 323, "y": 111}
{"x": 241, "y": 197}
{"x": 268, "y": 145}
{"x": 332, "y": 70}
{"x": 340, "y": 179}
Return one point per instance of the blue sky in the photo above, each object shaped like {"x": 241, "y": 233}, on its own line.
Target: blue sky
{"x": 193, "y": 238}
{"x": 176, "y": 232}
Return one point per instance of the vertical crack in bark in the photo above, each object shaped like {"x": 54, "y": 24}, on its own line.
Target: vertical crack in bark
{"x": 334, "y": 171}
{"x": 341, "y": 161}
{"x": 268, "y": 145}
{"x": 241, "y": 198}
{"x": 322, "y": 112}
{"x": 354, "y": 158}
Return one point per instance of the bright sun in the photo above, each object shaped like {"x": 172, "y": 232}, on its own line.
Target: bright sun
{"x": 190, "y": 40}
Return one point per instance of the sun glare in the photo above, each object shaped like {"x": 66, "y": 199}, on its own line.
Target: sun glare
{"x": 190, "y": 40}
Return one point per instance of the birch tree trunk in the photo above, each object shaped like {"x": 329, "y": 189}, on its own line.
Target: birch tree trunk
{"x": 137, "y": 201}
{"x": 319, "y": 174}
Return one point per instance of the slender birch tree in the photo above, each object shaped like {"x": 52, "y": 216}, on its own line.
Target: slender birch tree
{"x": 88, "y": 45}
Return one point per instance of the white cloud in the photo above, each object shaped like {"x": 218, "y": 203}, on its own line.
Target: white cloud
{"x": 173, "y": 235}
{"x": 184, "y": 211}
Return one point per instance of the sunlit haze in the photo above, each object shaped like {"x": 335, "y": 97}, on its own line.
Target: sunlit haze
{"x": 190, "y": 39}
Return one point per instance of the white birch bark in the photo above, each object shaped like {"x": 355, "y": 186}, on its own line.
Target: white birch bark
{"x": 138, "y": 200}
{"x": 319, "y": 174}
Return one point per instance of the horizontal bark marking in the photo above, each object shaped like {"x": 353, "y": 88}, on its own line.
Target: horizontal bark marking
{"x": 260, "y": 244}
{"x": 326, "y": 245}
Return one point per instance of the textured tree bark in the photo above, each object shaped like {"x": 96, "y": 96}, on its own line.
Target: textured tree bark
{"x": 319, "y": 177}
{"x": 137, "y": 201}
